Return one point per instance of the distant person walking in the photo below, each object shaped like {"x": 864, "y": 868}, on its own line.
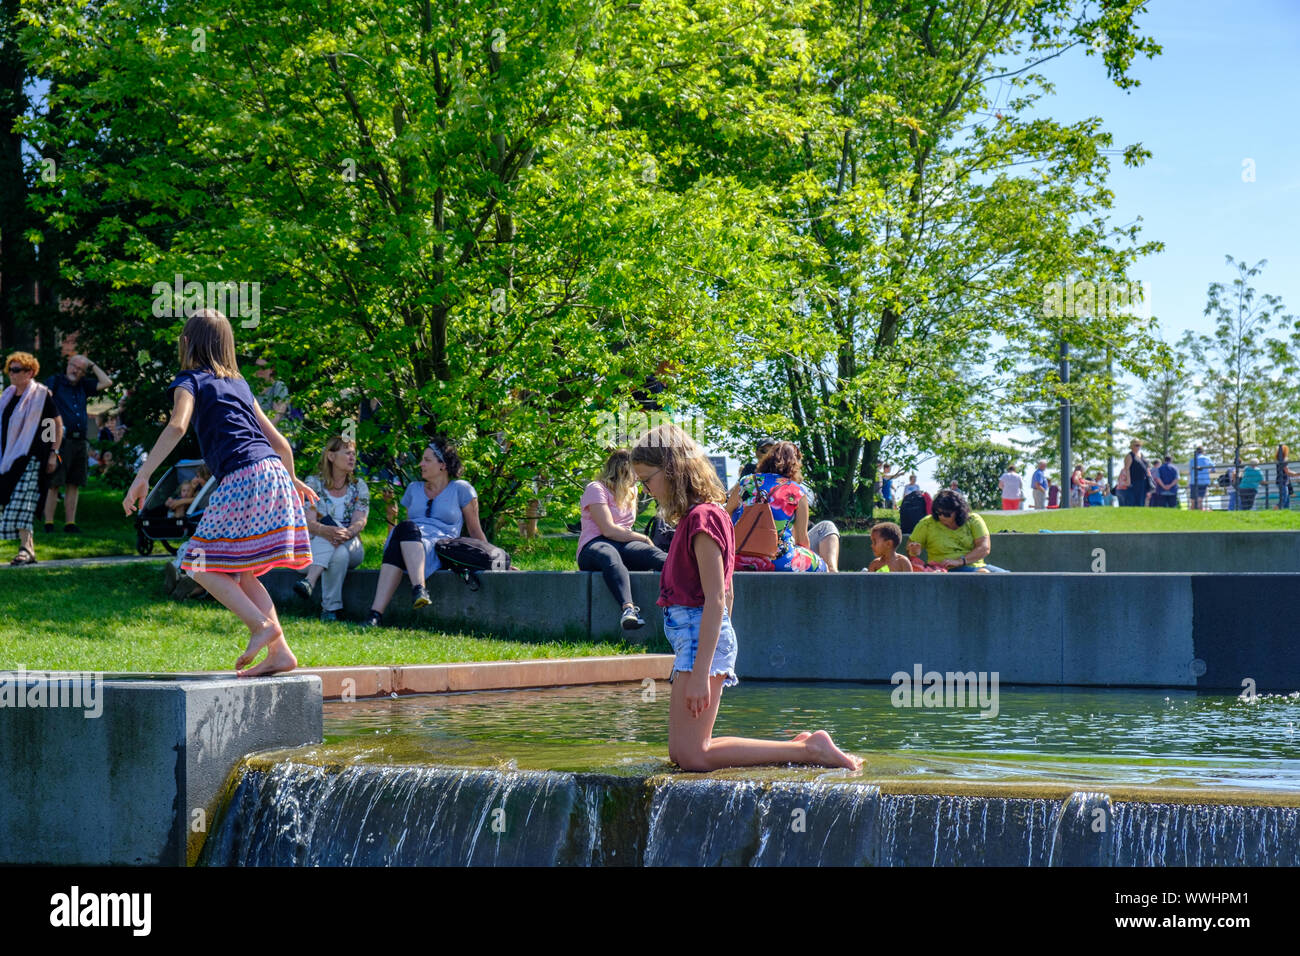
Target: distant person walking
{"x": 887, "y": 484}
{"x": 70, "y": 391}
{"x": 1139, "y": 475}
{"x": 1012, "y": 489}
{"x": 1248, "y": 487}
{"x": 1284, "y": 476}
{"x": 1198, "y": 479}
{"x": 1166, "y": 481}
{"x": 30, "y": 432}
{"x": 1078, "y": 486}
{"x": 1038, "y": 484}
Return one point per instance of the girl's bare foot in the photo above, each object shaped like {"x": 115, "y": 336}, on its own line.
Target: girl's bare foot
{"x": 823, "y": 750}
{"x": 268, "y": 634}
{"x": 278, "y": 660}
{"x": 801, "y": 736}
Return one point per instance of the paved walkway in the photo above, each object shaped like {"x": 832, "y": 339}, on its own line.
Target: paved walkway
{"x": 107, "y": 559}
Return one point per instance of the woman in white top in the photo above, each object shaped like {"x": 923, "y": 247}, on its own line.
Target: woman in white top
{"x": 335, "y": 523}
{"x": 607, "y": 543}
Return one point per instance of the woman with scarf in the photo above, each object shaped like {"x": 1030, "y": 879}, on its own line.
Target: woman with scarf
{"x": 31, "y": 432}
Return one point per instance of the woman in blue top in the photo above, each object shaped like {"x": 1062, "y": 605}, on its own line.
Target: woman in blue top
{"x": 440, "y": 506}
{"x": 254, "y": 518}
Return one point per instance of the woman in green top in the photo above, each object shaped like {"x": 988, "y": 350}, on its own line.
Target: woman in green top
{"x": 952, "y": 536}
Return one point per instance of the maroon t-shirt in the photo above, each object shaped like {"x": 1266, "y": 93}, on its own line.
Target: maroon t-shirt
{"x": 680, "y": 581}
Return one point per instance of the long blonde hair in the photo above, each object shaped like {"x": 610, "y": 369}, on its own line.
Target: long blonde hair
{"x": 327, "y": 467}
{"x": 688, "y": 473}
{"x": 620, "y": 479}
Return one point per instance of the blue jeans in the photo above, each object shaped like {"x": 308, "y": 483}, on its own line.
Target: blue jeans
{"x": 991, "y": 568}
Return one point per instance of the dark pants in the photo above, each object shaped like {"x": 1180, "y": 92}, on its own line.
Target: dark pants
{"x": 402, "y": 531}
{"x": 614, "y": 559}
{"x": 1137, "y": 494}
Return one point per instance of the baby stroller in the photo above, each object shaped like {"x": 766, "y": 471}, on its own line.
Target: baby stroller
{"x": 155, "y": 521}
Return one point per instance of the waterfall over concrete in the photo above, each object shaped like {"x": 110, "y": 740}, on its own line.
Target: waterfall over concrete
{"x": 292, "y": 813}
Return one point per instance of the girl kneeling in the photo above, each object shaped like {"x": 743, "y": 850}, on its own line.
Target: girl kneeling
{"x": 695, "y": 593}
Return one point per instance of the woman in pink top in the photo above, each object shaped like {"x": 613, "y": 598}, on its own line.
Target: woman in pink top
{"x": 607, "y": 543}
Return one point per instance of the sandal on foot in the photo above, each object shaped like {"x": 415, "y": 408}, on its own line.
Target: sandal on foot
{"x": 23, "y": 557}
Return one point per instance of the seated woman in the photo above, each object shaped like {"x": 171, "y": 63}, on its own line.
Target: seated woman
{"x": 779, "y": 478}
{"x": 607, "y": 543}
{"x": 335, "y": 523}
{"x": 440, "y": 506}
{"x": 952, "y": 536}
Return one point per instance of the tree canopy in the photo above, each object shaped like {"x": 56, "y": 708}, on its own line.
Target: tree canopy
{"x": 826, "y": 219}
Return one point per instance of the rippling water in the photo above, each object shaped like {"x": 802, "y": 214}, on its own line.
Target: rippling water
{"x": 1069, "y": 735}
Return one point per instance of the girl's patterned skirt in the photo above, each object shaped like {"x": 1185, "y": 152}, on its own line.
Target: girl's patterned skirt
{"x": 254, "y": 521}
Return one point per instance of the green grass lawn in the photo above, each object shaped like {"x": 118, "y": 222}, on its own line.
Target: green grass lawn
{"x": 116, "y": 617}
{"x": 1145, "y": 520}
{"x": 106, "y": 530}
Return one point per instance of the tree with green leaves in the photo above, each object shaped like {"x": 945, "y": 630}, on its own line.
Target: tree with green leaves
{"x": 1093, "y": 393}
{"x": 1235, "y": 378}
{"x": 931, "y": 217}
{"x": 440, "y": 206}
{"x": 976, "y": 467}
{"x": 1161, "y": 415}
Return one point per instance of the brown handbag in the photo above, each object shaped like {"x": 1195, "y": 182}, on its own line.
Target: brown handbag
{"x": 756, "y": 530}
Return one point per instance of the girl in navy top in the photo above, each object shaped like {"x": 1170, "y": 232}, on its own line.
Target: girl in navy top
{"x": 254, "y": 519}
{"x": 695, "y": 594}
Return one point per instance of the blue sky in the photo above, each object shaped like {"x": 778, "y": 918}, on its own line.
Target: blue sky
{"x": 1223, "y": 91}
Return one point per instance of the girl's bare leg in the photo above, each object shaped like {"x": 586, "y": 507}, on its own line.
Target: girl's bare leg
{"x": 692, "y": 746}
{"x": 263, "y": 626}
{"x": 313, "y": 574}
{"x": 278, "y": 656}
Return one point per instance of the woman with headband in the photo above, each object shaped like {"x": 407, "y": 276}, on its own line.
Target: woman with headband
{"x": 443, "y": 505}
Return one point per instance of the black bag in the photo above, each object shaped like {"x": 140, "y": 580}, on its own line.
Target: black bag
{"x": 468, "y": 556}
{"x": 911, "y": 511}
{"x": 660, "y": 532}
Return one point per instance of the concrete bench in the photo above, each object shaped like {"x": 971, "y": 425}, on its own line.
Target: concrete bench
{"x": 1186, "y": 551}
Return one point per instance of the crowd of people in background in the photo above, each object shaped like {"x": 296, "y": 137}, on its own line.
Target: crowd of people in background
{"x": 1141, "y": 483}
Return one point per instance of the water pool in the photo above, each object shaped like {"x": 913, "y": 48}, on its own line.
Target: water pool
{"x": 1074, "y": 737}
{"x": 579, "y": 776}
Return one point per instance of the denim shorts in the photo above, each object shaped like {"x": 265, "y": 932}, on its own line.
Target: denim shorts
{"x": 682, "y": 628}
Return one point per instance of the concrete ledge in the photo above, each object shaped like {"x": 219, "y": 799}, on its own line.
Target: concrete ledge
{"x": 139, "y": 783}
{"x": 1180, "y": 551}
{"x": 544, "y": 603}
{"x": 1112, "y": 629}
{"x": 490, "y": 675}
